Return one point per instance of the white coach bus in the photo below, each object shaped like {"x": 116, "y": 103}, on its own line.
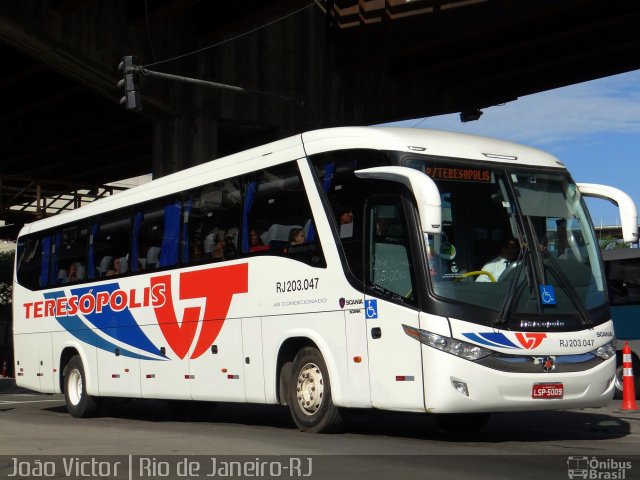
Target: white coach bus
{"x": 336, "y": 268}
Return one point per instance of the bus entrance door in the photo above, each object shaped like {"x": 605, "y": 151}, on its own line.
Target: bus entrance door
{"x": 395, "y": 367}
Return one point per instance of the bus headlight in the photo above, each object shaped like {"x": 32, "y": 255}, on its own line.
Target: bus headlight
{"x": 606, "y": 351}
{"x": 450, "y": 345}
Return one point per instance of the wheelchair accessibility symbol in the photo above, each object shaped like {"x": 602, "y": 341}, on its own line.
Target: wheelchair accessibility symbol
{"x": 547, "y": 294}
{"x": 371, "y": 309}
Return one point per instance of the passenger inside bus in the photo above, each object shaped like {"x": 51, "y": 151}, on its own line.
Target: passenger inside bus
{"x": 230, "y": 250}
{"x": 72, "y": 274}
{"x": 217, "y": 252}
{"x": 255, "y": 241}
{"x": 115, "y": 267}
{"x": 508, "y": 253}
{"x": 344, "y": 216}
{"x": 296, "y": 236}
{"x": 197, "y": 253}
{"x": 278, "y": 235}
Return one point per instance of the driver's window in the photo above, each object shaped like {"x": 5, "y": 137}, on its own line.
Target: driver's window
{"x": 389, "y": 268}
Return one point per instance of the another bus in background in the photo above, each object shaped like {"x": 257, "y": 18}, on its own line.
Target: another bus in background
{"x": 622, "y": 269}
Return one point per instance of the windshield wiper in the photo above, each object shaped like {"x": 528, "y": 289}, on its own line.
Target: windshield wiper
{"x": 507, "y": 303}
{"x": 565, "y": 283}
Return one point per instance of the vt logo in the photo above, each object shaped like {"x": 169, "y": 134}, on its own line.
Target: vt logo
{"x": 530, "y": 340}
{"x": 216, "y": 286}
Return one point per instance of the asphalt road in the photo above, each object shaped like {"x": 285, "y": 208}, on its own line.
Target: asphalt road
{"x": 512, "y": 445}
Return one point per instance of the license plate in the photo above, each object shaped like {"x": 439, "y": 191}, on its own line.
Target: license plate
{"x": 547, "y": 390}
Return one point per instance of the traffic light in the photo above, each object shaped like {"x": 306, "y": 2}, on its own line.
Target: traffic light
{"x": 129, "y": 83}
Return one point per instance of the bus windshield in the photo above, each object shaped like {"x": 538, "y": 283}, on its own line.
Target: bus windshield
{"x": 516, "y": 241}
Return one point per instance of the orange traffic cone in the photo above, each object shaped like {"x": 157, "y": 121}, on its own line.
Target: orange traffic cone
{"x": 628, "y": 389}
{"x": 4, "y": 368}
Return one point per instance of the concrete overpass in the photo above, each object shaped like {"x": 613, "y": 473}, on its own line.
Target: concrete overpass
{"x": 351, "y": 62}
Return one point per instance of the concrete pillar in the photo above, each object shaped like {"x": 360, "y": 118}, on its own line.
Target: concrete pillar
{"x": 183, "y": 141}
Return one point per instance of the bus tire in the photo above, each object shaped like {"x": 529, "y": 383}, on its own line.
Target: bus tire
{"x": 79, "y": 403}
{"x": 309, "y": 394}
{"x": 461, "y": 423}
{"x": 619, "y": 382}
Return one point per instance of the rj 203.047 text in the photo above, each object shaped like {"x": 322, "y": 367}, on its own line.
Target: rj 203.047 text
{"x": 297, "y": 285}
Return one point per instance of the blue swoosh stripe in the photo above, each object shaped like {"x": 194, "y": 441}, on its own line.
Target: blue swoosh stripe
{"x": 76, "y": 327}
{"x": 119, "y": 325}
{"x": 491, "y": 339}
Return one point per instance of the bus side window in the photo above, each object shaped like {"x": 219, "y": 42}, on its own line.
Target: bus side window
{"x": 623, "y": 280}
{"x": 110, "y": 239}
{"x": 73, "y": 253}
{"x": 346, "y": 194}
{"x": 275, "y": 205}
{"x": 156, "y": 235}
{"x": 29, "y": 260}
{"x": 210, "y": 222}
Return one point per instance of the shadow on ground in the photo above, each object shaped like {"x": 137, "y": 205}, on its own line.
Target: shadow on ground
{"x": 557, "y": 425}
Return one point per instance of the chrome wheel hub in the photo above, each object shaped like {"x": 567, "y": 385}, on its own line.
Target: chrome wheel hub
{"x": 75, "y": 386}
{"x": 310, "y": 389}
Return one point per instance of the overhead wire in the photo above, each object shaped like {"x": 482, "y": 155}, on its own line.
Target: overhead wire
{"x": 230, "y": 39}
{"x": 421, "y": 120}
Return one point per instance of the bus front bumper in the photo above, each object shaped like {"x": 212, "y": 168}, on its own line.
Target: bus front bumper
{"x": 455, "y": 385}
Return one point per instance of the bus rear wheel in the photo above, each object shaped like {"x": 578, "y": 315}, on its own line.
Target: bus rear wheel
{"x": 309, "y": 394}
{"x": 79, "y": 403}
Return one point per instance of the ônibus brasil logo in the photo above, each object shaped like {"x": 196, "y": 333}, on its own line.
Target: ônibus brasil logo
{"x": 102, "y": 313}
{"x": 498, "y": 339}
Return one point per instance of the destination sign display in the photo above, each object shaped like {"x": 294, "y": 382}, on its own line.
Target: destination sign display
{"x": 459, "y": 174}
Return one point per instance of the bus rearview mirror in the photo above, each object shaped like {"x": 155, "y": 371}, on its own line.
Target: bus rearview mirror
{"x": 628, "y": 210}
{"x": 423, "y": 188}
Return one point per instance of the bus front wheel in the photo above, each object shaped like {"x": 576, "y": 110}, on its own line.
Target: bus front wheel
{"x": 309, "y": 394}
{"x": 79, "y": 403}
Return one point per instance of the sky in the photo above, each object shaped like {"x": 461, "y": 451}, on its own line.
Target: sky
{"x": 592, "y": 127}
